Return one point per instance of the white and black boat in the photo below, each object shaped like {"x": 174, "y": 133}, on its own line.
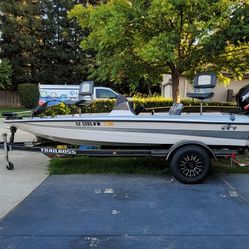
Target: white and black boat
{"x": 124, "y": 127}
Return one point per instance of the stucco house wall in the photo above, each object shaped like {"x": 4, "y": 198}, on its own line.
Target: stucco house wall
{"x": 221, "y": 91}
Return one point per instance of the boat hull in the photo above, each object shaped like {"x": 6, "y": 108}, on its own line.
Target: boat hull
{"x": 219, "y": 130}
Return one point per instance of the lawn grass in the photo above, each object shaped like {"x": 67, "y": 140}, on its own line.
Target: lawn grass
{"x": 224, "y": 165}
{"x": 151, "y": 166}
{"x": 95, "y": 165}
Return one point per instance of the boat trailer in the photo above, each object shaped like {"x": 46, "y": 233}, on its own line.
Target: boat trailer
{"x": 55, "y": 149}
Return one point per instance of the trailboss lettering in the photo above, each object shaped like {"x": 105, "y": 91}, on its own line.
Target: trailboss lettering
{"x": 57, "y": 151}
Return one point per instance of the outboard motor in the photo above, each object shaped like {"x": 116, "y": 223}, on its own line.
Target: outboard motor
{"x": 242, "y": 99}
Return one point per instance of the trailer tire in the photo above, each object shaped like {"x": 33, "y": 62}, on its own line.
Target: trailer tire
{"x": 190, "y": 164}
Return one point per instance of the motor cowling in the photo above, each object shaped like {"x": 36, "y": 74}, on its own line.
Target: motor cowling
{"x": 242, "y": 99}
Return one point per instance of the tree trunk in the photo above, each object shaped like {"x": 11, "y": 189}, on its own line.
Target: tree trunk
{"x": 175, "y": 86}
{"x": 149, "y": 89}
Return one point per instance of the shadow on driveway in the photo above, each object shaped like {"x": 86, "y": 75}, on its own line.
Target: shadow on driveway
{"x": 121, "y": 212}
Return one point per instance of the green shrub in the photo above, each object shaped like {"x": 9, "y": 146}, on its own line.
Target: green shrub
{"x": 100, "y": 106}
{"x": 60, "y": 109}
{"x": 29, "y": 95}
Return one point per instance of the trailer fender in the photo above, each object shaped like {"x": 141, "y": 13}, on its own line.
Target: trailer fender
{"x": 180, "y": 144}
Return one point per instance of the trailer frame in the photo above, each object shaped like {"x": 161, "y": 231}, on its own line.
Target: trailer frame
{"x": 111, "y": 152}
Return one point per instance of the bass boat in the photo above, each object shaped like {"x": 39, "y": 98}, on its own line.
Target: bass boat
{"x": 125, "y": 127}
{"x": 188, "y": 141}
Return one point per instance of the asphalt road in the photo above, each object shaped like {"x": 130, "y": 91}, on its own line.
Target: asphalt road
{"x": 121, "y": 212}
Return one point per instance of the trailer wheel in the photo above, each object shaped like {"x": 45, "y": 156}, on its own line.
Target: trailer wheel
{"x": 10, "y": 166}
{"x": 190, "y": 164}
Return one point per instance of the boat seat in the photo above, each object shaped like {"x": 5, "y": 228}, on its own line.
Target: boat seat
{"x": 176, "y": 109}
{"x": 203, "y": 87}
{"x": 200, "y": 95}
{"x": 85, "y": 93}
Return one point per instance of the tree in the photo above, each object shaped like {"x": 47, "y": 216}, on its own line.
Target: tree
{"x": 5, "y": 74}
{"x": 141, "y": 39}
{"x": 41, "y": 43}
{"x": 21, "y": 38}
{"x": 62, "y": 59}
{"x": 229, "y": 46}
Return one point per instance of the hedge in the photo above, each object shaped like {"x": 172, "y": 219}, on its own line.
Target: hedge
{"x": 29, "y": 95}
{"x": 103, "y": 106}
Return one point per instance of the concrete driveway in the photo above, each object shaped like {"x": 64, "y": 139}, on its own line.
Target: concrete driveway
{"x": 126, "y": 212}
{"x": 117, "y": 212}
{"x": 30, "y": 170}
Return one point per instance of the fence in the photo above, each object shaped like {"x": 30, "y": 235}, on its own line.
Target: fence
{"x": 9, "y": 99}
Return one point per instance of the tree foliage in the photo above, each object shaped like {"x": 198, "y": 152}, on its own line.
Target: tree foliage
{"x": 141, "y": 39}
{"x": 62, "y": 59}
{"x": 21, "y": 38}
{"x": 41, "y": 43}
{"x": 5, "y": 74}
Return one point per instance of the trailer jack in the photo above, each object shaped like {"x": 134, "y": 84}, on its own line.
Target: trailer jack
{"x": 9, "y": 165}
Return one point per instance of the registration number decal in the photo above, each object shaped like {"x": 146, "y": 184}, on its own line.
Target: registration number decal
{"x": 87, "y": 123}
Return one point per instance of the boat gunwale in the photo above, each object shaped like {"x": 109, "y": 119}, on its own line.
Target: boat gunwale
{"x": 125, "y": 120}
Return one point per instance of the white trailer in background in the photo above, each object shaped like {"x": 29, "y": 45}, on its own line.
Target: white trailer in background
{"x": 61, "y": 93}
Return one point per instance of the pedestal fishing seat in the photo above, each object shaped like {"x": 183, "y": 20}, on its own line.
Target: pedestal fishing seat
{"x": 203, "y": 88}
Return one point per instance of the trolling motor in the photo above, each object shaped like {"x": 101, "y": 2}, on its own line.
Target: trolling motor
{"x": 242, "y": 99}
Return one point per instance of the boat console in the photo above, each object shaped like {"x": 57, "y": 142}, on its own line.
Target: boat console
{"x": 123, "y": 105}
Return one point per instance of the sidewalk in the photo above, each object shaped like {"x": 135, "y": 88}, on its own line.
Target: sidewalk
{"x": 29, "y": 172}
